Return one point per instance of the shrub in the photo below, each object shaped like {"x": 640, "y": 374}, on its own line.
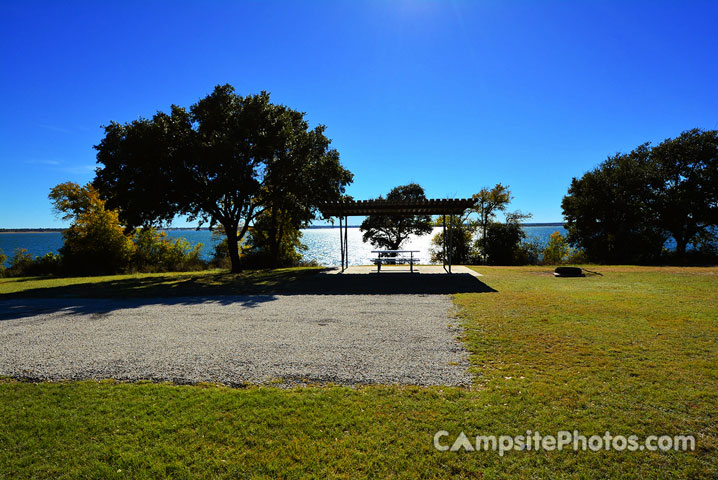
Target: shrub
{"x": 528, "y": 252}
{"x": 3, "y": 259}
{"x": 577, "y": 256}
{"x": 180, "y": 255}
{"x": 48, "y": 264}
{"x": 558, "y": 251}
{"x": 308, "y": 263}
{"x": 272, "y": 242}
{"x": 95, "y": 244}
{"x": 22, "y": 264}
{"x": 154, "y": 253}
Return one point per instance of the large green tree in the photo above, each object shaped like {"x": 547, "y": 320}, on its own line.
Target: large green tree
{"x": 226, "y": 160}
{"x": 390, "y": 231}
{"x": 686, "y": 186}
{"x": 624, "y": 210}
{"x": 610, "y": 212}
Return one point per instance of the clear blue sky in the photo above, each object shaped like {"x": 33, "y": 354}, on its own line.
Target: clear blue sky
{"x": 453, "y": 95}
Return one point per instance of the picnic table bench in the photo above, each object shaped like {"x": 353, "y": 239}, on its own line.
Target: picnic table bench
{"x": 401, "y": 258}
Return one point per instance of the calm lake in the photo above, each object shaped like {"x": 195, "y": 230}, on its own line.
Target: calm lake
{"x": 322, "y": 243}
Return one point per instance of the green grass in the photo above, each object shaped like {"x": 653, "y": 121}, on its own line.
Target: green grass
{"x": 208, "y": 282}
{"x": 633, "y": 352}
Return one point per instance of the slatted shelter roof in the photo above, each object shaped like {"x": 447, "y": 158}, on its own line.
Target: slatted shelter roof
{"x": 434, "y": 206}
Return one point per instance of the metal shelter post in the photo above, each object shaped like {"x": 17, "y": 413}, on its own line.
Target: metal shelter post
{"x": 443, "y": 241}
{"x": 341, "y": 243}
{"x": 451, "y": 237}
{"x": 346, "y": 241}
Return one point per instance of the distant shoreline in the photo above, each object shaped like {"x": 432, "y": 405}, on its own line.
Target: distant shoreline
{"x": 550, "y": 224}
{"x": 31, "y": 230}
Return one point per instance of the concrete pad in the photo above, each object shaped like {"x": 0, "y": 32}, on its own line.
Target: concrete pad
{"x": 425, "y": 269}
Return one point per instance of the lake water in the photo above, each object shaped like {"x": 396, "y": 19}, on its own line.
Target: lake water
{"x": 322, "y": 243}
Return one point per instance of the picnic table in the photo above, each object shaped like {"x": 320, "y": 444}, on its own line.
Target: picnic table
{"x": 401, "y": 258}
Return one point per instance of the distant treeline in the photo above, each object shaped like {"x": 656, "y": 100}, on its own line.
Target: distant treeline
{"x": 31, "y": 230}
{"x": 47, "y": 230}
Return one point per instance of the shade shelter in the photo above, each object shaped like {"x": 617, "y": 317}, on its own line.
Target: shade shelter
{"x": 360, "y": 208}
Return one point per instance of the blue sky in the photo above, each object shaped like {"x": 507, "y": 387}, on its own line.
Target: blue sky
{"x": 453, "y": 95}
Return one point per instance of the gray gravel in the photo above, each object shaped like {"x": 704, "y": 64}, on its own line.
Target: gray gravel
{"x": 277, "y": 339}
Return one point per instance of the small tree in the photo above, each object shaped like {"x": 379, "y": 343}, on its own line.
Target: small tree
{"x": 3, "y": 259}
{"x": 390, "y": 231}
{"x": 462, "y": 248}
{"x": 557, "y": 250}
{"x": 502, "y": 243}
{"x": 488, "y": 204}
{"x": 95, "y": 243}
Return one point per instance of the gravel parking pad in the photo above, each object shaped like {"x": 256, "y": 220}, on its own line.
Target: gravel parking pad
{"x": 278, "y": 339}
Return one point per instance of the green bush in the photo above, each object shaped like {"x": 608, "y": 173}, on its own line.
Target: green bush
{"x": 272, "y": 242}
{"x": 95, "y": 245}
{"x": 3, "y": 259}
{"x": 48, "y": 264}
{"x": 154, "y": 253}
{"x": 528, "y": 252}
{"x": 577, "y": 257}
{"x": 22, "y": 264}
{"x": 559, "y": 252}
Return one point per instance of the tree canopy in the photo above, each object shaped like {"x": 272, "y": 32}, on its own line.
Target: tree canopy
{"x": 489, "y": 202}
{"x": 94, "y": 243}
{"x": 390, "y": 231}
{"x": 226, "y": 161}
{"x": 686, "y": 185}
{"x": 624, "y": 210}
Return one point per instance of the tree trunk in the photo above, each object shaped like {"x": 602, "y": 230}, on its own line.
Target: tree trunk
{"x": 681, "y": 245}
{"x": 484, "y": 228}
{"x": 274, "y": 239}
{"x": 232, "y": 241}
{"x": 278, "y": 243}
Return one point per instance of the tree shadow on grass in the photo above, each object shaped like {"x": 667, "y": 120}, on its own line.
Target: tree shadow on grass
{"x": 248, "y": 290}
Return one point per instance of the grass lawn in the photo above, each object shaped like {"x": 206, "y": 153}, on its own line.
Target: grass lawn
{"x": 634, "y": 351}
